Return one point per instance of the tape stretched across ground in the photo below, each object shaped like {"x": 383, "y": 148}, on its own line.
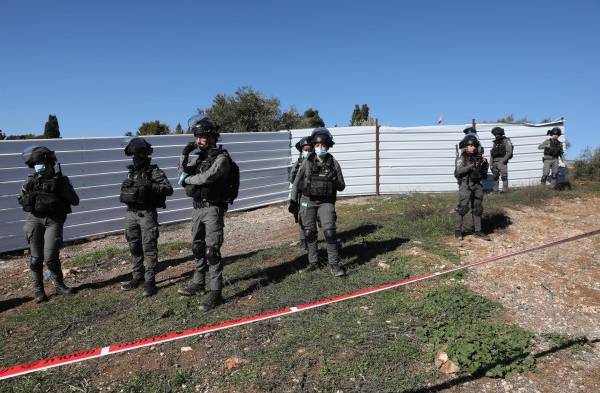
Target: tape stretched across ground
{"x": 45, "y": 364}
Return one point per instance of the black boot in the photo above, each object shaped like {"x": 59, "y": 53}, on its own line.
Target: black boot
{"x": 458, "y": 234}
{"x": 302, "y": 244}
{"x": 38, "y": 286}
{"x": 59, "y": 282}
{"x": 196, "y": 287}
{"x": 213, "y": 299}
{"x": 311, "y": 267}
{"x": 336, "y": 270}
{"x": 134, "y": 283}
{"x": 150, "y": 288}
{"x": 482, "y": 236}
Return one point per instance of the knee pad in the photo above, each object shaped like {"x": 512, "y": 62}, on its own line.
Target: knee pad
{"x": 213, "y": 255}
{"x": 330, "y": 236}
{"x": 462, "y": 210}
{"x": 54, "y": 266}
{"x": 36, "y": 264}
{"x": 477, "y": 210}
{"x": 198, "y": 249}
{"x": 310, "y": 235}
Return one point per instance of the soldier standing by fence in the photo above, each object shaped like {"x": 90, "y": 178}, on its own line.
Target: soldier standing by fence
{"x": 314, "y": 195}
{"x": 211, "y": 178}
{"x": 501, "y": 153}
{"x": 145, "y": 189}
{"x": 470, "y": 169}
{"x": 553, "y": 152}
{"x": 304, "y": 147}
{"x": 47, "y": 197}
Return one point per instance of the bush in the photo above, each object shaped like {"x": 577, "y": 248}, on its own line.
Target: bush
{"x": 587, "y": 166}
{"x": 461, "y": 322}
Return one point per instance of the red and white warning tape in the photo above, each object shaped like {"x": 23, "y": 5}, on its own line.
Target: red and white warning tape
{"x": 45, "y": 364}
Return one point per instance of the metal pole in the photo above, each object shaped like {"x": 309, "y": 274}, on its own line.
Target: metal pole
{"x": 377, "y": 156}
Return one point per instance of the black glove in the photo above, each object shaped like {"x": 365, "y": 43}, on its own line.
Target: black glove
{"x": 127, "y": 183}
{"x": 190, "y": 147}
{"x": 293, "y": 208}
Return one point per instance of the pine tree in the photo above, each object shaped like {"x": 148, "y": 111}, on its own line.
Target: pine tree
{"x": 355, "y": 116}
{"x": 51, "y": 128}
{"x": 364, "y": 113}
{"x": 178, "y": 129}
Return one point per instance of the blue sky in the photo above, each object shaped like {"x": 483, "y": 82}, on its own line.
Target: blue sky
{"x": 104, "y": 67}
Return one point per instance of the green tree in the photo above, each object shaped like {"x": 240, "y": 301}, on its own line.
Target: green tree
{"x": 364, "y": 112}
{"x": 153, "y": 128}
{"x": 51, "y": 128}
{"x": 313, "y": 119}
{"x": 360, "y": 116}
{"x": 248, "y": 110}
{"x": 128, "y": 133}
{"x": 506, "y": 119}
{"x": 2, "y": 135}
{"x": 178, "y": 129}
{"x": 356, "y": 116}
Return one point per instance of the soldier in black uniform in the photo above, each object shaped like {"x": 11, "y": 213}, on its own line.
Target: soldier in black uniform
{"x": 47, "y": 197}
{"x": 553, "y": 152}
{"x": 470, "y": 169}
{"x": 501, "y": 153}
{"x": 314, "y": 193}
{"x": 145, "y": 189}
{"x": 304, "y": 147}
{"x": 205, "y": 174}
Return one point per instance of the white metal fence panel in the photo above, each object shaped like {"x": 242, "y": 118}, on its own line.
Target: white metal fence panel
{"x": 422, "y": 158}
{"x": 97, "y": 166}
{"x": 410, "y": 159}
{"x": 354, "y": 149}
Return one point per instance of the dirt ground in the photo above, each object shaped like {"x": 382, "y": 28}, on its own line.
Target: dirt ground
{"x": 552, "y": 291}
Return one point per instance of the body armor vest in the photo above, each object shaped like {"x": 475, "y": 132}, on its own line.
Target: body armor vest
{"x": 555, "y": 149}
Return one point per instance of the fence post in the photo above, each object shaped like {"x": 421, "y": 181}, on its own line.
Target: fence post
{"x": 376, "y": 156}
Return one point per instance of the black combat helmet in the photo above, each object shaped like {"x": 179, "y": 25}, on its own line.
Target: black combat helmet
{"x": 138, "y": 147}
{"x": 35, "y": 154}
{"x": 470, "y": 131}
{"x": 203, "y": 126}
{"x": 469, "y": 139}
{"x": 555, "y": 131}
{"x": 322, "y": 135}
{"x": 306, "y": 141}
{"x": 498, "y": 131}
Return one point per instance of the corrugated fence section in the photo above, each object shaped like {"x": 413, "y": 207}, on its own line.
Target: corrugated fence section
{"x": 422, "y": 158}
{"x": 97, "y": 166}
{"x": 410, "y": 159}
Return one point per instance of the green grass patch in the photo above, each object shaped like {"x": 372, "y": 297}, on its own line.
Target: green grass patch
{"x": 93, "y": 257}
{"x": 462, "y": 323}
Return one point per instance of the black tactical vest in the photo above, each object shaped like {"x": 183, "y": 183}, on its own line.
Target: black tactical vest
{"x": 139, "y": 197}
{"x": 318, "y": 181}
{"x": 499, "y": 148}
{"x": 215, "y": 192}
{"x": 43, "y": 199}
{"x": 555, "y": 149}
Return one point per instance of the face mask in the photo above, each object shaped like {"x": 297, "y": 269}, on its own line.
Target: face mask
{"x": 139, "y": 162}
{"x": 305, "y": 154}
{"x": 39, "y": 168}
{"x": 321, "y": 152}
